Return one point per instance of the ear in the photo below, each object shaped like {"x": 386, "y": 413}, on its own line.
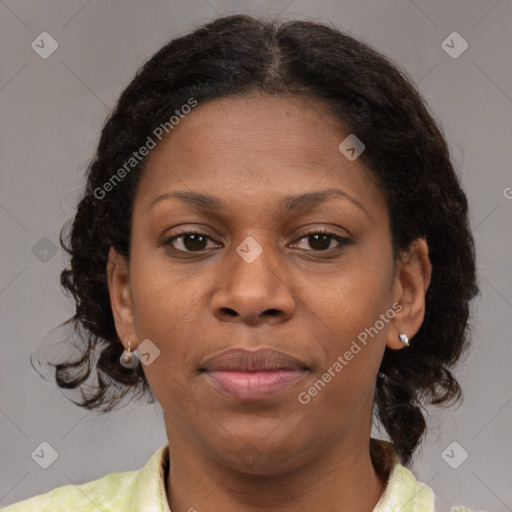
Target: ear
{"x": 120, "y": 297}
{"x": 413, "y": 272}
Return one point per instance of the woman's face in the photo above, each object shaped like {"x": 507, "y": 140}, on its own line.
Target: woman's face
{"x": 258, "y": 277}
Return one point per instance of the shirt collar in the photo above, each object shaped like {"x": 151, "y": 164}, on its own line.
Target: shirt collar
{"x": 403, "y": 493}
{"x": 150, "y": 492}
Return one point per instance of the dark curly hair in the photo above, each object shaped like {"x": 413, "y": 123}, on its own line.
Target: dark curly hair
{"x": 405, "y": 149}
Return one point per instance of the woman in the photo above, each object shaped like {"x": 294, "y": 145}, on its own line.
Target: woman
{"x": 274, "y": 245}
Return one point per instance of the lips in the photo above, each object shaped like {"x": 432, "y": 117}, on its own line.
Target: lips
{"x": 253, "y": 375}
{"x": 261, "y": 360}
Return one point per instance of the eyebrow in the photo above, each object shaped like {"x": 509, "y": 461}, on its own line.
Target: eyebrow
{"x": 304, "y": 202}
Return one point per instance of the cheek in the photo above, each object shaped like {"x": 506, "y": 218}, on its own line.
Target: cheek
{"x": 162, "y": 294}
{"x": 166, "y": 310}
{"x": 353, "y": 297}
{"x": 345, "y": 380}
{"x": 356, "y": 307}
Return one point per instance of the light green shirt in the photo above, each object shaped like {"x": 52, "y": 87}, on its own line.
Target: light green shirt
{"x": 144, "y": 490}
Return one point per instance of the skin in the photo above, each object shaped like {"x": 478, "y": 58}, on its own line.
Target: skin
{"x": 250, "y": 153}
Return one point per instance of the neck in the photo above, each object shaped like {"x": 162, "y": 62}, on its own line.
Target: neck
{"x": 343, "y": 478}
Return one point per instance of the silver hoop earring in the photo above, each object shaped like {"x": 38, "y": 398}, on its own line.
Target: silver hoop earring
{"x": 404, "y": 339}
{"x": 128, "y": 359}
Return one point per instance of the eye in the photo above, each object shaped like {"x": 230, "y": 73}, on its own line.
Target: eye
{"x": 320, "y": 240}
{"x": 190, "y": 241}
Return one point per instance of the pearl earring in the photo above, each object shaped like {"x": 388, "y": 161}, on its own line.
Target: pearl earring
{"x": 128, "y": 359}
{"x": 404, "y": 339}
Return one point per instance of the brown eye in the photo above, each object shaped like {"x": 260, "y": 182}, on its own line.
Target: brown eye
{"x": 321, "y": 240}
{"x": 188, "y": 242}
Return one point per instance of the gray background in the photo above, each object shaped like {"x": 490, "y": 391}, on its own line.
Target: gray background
{"x": 51, "y": 114}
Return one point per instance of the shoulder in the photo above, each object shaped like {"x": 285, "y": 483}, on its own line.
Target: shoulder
{"x": 115, "y": 492}
{"x": 403, "y": 493}
{"x": 95, "y": 495}
{"x": 411, "y": 494}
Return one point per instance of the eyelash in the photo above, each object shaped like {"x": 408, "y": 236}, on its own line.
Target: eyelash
{"x": 316, "y": 231}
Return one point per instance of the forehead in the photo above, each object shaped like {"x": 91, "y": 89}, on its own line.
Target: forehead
{"x": 233, "y": 125}
{"x": 256, "y": 147}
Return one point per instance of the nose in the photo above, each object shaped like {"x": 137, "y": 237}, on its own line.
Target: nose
{"x": 253, "y": 292}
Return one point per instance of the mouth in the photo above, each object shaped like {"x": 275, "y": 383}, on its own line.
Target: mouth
{"x": 250, "y": 376}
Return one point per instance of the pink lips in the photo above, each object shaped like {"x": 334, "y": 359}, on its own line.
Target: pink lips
{"x": 246, "y": 375}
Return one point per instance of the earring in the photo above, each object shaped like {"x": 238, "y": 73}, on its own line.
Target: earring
{"x": 128, "y": 359}
{"x": 404, "y": 339}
